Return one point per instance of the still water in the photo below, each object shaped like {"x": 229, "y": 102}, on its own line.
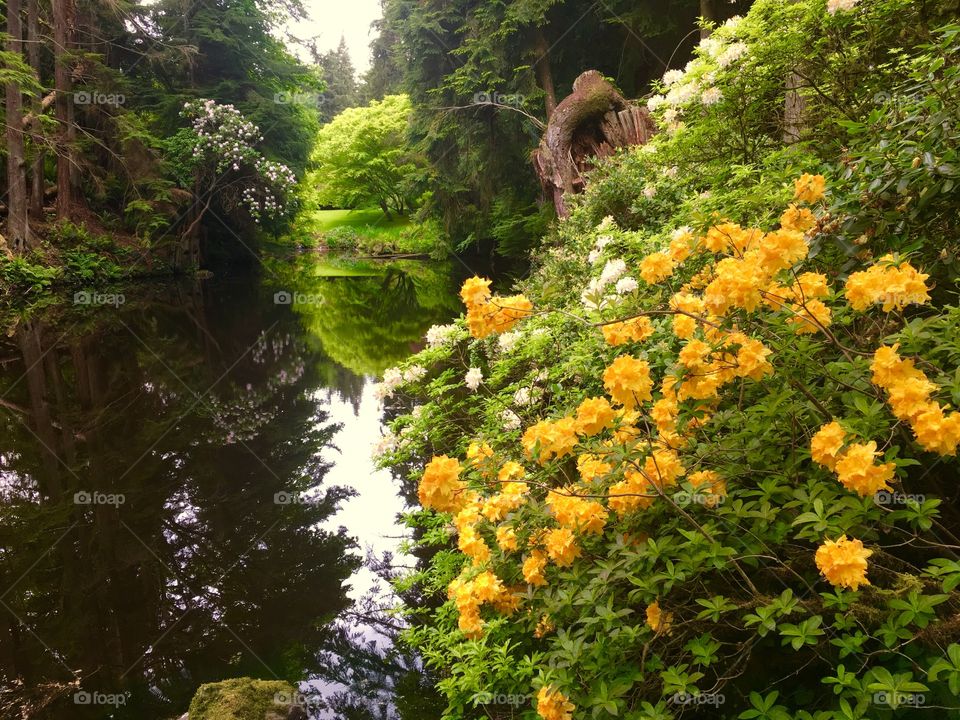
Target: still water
{"x": 186, "y": 487}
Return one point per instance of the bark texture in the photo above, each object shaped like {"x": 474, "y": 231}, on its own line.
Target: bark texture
{"x": 592, "y": 122}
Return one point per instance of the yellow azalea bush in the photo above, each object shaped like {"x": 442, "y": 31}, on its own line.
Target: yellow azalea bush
{"x": 732, "y": 480}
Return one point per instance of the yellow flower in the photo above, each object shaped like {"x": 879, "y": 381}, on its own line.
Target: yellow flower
{"x": 681, "y": 245}
{"x": 893, "y": 283}
{"x": 781, "y": 249}
{"x": 936, "y": 431}
{"x": 506, "y": 538}
{"x": 826, "y": 444}
{"x": 594, "y": 415}
{"x": 575, "y": 512}
{"x": 709, "y": 480}
{"x": 475, "y": 291}
{"x": 635, "y": 329}
{"x": 632, "y": 493}
{"x": 553, "y": 704}
{"x": 795, "y": 218}
{"x": 440, "y": 487}
{"x": 725, "y": 236}
{"x": 592, "y": 467}
{"x": 856, "y": 470}
{"x": 736, "y": 284}
{"x": 553, "y": 438}
{"x": 663, "y": 467}
{"x": 562, "y": 546}
{"x": 810, "y": 318}
{"x": 694, "y": 354}
{"x": 627, "y": 381}
{"x": 511, "y": 470}
{"x": 843, "y": 562}
{"x": 684, "y": 325}
{"x": 658, "y": 620}
{"x": 473, "y": 546}
{"x": 809, "y": 188}
{"x": 656, "y": 267}
{"x": 533, "y": 567}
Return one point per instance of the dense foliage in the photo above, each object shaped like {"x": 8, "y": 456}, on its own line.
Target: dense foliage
{"x": 362, "y": 158}
{"x": 704, "y": 465}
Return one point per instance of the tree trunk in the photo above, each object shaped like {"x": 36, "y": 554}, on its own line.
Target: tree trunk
{"x": 17, "y": 225}
{"x": 592, "y": 122}
{"x": 33, "y": 57}
{"x": 793, "y": 109}
{"x": 544, "y": 72}
{"x": 62, "y": 18}
{"x": 707, "y": 12}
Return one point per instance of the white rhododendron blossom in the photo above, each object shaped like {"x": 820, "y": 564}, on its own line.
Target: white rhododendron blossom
{"x": 834, "y": 6}
{"x": 612, "y": 272}
{"x": 473, "y": 378}
{"x": 626, "y": 285}
{"x": 508, "y": 340}
{"x": 510, "y": 420}
{"x": 439, "y": 335}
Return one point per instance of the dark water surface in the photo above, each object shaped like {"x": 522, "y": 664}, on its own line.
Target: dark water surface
{"x": 152, "y": 456}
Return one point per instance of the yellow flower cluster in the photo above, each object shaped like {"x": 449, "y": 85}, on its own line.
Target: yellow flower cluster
{"x": 486, "y": 314}
{"x": 592, "y": 467}
{"x": 470, "y": 595}
{"x": 656, "y": 267}
{"x": 855, "y": 466}
{"x": 594, "y": 415}
{"x": 562, "y": 546}
{"x": 710, "y": 481}
{"x": 893, "y": 283}
{"x": 809, "y": 188}
{"x": 440, "y": 486}
{"x": 658, "y": 620}
{"x": 553, "y": 704}
{"x": 533, "y": 566}
{"x": 908, "y": 393}
{"x": 627, "y": 380}
{"x": 843, "y": 562}
{"x": 635, "y": 329}
{"x": 550, "y": 439}
{"x": 576, "y": 513}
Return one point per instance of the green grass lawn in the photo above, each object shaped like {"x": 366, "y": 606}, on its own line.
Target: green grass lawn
{"x": 360, "y": 219}
{"x": 363, "y": 231}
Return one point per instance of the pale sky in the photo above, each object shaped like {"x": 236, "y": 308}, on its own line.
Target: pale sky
{"x": 330, "y": 19}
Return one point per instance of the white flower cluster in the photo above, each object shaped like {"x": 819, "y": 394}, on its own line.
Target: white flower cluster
{"x": 473, "y": 378}
{"x": 833, "y": 6}
{"x": 696, "y": 82}
{"x": 594, "y": 296}
{"x": 439, "y": 335}
{"x": 393, "y": 378}
{"x": 226, "y": 139}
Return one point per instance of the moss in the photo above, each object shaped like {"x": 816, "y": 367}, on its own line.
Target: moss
{"x": 241, "y": 699}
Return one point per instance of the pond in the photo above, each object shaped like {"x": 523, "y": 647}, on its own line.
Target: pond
{"x": 185, "y": 478}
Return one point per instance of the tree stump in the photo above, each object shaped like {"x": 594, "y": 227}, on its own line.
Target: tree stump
{"x": 594, "y": 121}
